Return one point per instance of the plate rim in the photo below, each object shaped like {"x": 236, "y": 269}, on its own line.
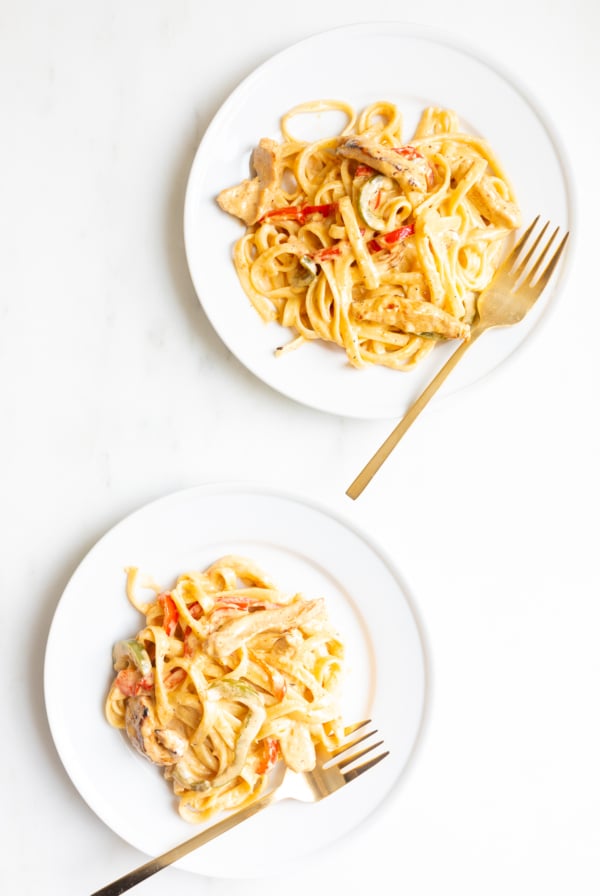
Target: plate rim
{"x": 438, "y": 36}
{"x": 237, "y": 487}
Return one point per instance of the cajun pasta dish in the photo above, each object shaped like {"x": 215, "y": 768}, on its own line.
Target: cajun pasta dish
{"x": 227, "y": 676}
{"x": 368, "y": 241}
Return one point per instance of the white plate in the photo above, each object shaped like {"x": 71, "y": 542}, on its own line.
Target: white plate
{"x": 414, "y": 67}
{"x": 303, "y": 547}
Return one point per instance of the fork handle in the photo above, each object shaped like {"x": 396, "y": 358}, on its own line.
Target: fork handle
{"x": 384, "y": 451}
{"x": 134, "y": 877}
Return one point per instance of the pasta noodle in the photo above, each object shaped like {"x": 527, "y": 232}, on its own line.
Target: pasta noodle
{"x": 366, "y": 241}
{"x": 228, "y": 676}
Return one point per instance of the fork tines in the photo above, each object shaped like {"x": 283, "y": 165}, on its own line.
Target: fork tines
{"x": 535, "y": 274}
{"x": 346, "y": 759}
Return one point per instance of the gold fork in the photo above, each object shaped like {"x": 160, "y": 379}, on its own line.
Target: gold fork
{"x": 332, "y": 771}
{"x": 518, "y": 282}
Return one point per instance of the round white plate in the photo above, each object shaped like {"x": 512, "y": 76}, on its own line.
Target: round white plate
{"x": 413, "y": 67}
{"x": 304, "y": 548}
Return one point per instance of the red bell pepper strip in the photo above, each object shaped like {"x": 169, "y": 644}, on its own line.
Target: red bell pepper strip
{"x": 130, "y": 682}
{"x": 363, "y": 171}
{"x": 270, "y": 755}
{"x": 175, "y": 677}
{"x": 195, "y": 610}
{"x": 326, "y": 253}
{"x": 409, "y": 151}
{"x": 299, "y": 213}
{"x": 394, "y": 236}
{"x": 389, "y": 239}
{"x": 170, "y": 612}
{"x": 237, "y": 602}
{"x": 326, "y": 209}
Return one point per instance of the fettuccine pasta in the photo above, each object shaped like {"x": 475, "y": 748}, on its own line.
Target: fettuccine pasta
{"x": 367, "y": 241}
{"x": 227, "y": 676}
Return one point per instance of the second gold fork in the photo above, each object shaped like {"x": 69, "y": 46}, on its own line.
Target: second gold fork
{"x": 516, "y": 286}
{"x": 332, "y": 771}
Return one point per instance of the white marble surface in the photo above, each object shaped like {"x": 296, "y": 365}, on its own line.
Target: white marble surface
{"x": 115, "y": 390}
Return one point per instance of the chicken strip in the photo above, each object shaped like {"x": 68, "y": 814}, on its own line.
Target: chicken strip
{"x": 250, "y": 199}
{"x": 297, "y": 747}
{"x": 234, "y": 633}
{"x": 411, "y": 316}
{"x": 413, "y": 174}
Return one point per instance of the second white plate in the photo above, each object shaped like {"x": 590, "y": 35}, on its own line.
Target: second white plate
{"x": 413, "y": 67}
{"x": 304, "y": 548}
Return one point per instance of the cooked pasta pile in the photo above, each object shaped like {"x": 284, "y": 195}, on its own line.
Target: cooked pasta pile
{"x": 228, "y": 676}
{"x": 367, "y": 241}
